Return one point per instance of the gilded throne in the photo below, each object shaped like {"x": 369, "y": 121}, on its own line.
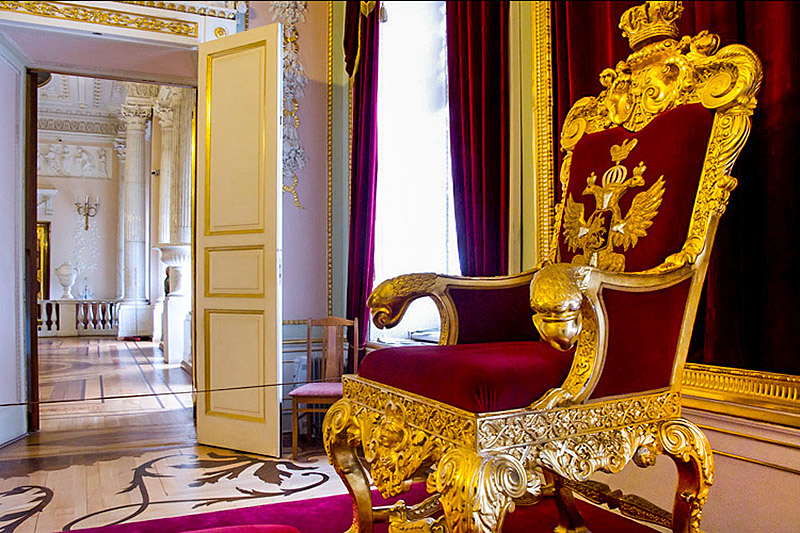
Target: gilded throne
{"x": 543, "y": 378}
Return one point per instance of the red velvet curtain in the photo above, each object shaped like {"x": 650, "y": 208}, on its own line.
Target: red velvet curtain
{"x": 477, "y": 68}
{"x": 361, "y": 58}
{"x": 748, "y": 316}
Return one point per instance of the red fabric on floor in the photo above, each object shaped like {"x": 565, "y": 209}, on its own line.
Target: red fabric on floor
{"x": 334, "y": 514}
{"x": 248, "y": 529}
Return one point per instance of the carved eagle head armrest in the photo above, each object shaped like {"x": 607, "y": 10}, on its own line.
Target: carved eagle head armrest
{"x": 557, "y": 295}
{"x": 389, "y": 301}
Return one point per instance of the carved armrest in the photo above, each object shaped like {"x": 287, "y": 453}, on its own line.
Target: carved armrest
{"x": 561, "y": 294}
{"x": 390, "y": 299}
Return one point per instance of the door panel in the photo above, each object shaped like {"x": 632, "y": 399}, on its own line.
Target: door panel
{"x": 13, "y": 376}
{"x": 238, "y": 240}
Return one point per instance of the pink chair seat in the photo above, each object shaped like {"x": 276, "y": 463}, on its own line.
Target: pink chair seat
{"x": 325, "y": 390}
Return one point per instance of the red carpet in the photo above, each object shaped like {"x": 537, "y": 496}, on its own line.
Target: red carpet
{"x": 333, "y": 514}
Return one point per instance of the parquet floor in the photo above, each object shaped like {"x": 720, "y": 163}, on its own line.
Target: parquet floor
{"x": 101, "y": 460}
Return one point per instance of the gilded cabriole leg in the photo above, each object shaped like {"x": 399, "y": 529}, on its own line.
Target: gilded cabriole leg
{"x": 477, "y": 490}
{"x": 569, "y": 519}
{"x": 342, "y": 436}
{"x": 689, "y": 449}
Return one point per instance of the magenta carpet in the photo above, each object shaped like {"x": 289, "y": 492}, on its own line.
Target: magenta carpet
{"x": 333, "y": 514}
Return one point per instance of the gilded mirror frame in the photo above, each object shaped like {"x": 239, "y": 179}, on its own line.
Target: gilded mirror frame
{"x": 765, "y": 396}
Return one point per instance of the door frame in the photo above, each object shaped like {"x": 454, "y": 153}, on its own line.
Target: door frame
{"x": 30, "y": 148}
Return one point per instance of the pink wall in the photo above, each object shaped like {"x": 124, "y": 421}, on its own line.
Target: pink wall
{"x": 305, "y": 236}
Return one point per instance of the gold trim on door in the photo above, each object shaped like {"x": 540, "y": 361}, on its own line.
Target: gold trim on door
{"x": 261, "y": 148}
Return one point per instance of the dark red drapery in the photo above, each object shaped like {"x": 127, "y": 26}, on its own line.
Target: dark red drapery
{"x": 361, "y": 55}
{"x": 750, "y": 307}
{"x": 477, "y": 68}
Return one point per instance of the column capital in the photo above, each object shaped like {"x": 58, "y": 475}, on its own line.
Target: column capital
{"x": 165, "y": 113}
{"x": 135, "y": 116}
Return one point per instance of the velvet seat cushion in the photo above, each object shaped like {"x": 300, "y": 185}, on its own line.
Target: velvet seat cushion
{"x": 322, "y": 390}
{"x": 479, "y": 378}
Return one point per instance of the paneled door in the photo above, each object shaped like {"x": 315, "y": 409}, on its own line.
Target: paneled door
{"x": 238, "y": 241}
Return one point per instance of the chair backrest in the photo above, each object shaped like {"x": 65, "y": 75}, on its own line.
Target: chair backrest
{"x": 334, "y": 346}
{"x": 645, "y": 177}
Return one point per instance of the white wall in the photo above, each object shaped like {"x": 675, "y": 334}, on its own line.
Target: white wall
{"x": 92, "y": 252}
{"x": 12, "y": 367}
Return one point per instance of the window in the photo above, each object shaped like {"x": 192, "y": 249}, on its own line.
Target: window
{"x": 415, "y": 220}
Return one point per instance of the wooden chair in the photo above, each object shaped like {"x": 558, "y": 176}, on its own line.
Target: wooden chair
{"x": 329, "y": 390}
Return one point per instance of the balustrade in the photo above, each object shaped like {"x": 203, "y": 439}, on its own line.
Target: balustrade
{"x": 70, "y": 318}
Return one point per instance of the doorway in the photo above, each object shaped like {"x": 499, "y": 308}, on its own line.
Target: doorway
{"x": 113, "y": 166}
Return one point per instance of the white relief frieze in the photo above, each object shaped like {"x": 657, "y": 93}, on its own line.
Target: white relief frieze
{"x": 69, "y": 161}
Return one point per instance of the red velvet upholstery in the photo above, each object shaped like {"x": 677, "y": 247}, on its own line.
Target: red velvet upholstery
{"x": 494, "y": 315}
{"x": 475, "y": 377}
{"x": 643, "y": 332}
{"x": 673, "y": 145}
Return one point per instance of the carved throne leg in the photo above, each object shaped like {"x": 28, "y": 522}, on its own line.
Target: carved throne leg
{"x": 569, "y": 519}
{"x": 341, "y": 437}
{"x": 477, "y": 490}
{"x": 689, "y": 449}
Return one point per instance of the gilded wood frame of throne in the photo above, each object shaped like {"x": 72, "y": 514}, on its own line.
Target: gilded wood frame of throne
{"x": 479, "y": 465}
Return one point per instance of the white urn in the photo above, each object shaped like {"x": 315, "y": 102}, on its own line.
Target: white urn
{"x": 66, "y": 277}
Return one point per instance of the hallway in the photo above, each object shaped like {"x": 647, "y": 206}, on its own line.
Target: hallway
{"x": 97, "y": 369}
{"x": 103, "y": 460}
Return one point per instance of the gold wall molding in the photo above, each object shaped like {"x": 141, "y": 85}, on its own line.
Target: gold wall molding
{"x": 103, "y": 17}
{"x": 765, "y": 396}
{"x": 543, "y": 157}
{"x": 329, "y": 160}
{"x": 207, "y": 11}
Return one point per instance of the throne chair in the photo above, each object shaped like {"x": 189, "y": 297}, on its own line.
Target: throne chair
{"x": 543, "y": 378}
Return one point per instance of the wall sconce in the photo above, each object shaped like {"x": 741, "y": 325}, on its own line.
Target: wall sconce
{"x": 88, "y": 210}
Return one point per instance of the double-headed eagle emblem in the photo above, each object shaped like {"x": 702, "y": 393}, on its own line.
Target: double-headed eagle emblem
{"x": 606, "y": 228}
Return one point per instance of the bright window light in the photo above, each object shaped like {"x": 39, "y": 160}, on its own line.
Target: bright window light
{"x": 415, "y": 220}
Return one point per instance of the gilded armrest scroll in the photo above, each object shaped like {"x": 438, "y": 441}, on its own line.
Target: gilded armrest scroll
{"x": 391, "y": 298}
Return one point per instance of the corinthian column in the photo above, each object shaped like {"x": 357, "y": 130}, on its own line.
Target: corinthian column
{"x": 135, "y": 319}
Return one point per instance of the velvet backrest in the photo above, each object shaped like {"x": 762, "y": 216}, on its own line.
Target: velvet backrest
{"x": 644, "y": 327}
{"x": 672, "y": 145}
{"x": 493, "y": 315}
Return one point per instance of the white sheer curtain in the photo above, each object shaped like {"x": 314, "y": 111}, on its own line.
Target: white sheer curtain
{"x": 414, "y": 221}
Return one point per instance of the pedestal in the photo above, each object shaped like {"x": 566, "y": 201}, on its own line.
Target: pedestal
{"x": 176, "y": 308}
{"x": 178, "y": 302}
{"x": 135, "y": 319}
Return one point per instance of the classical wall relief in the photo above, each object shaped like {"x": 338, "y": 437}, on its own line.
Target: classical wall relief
{"x": 69, "y": 161}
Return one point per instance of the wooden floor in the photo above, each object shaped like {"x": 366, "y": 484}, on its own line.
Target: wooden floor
{"x": 100, "y": 460}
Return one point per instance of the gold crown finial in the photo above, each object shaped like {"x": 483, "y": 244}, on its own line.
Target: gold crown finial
{"x": 649, "y": 21}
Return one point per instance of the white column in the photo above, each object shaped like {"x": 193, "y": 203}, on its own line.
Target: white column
{"x": 135, "y": 318}
{"x": 176, "y": 166}
{"x": 119, "y": 148}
